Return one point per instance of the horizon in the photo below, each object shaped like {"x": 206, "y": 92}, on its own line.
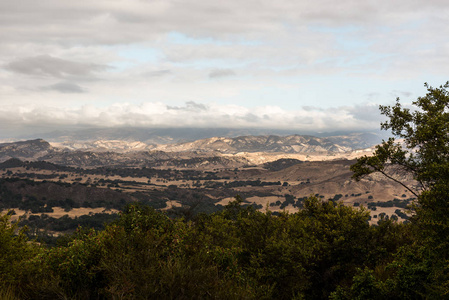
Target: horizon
{"x": 176, "y": 135}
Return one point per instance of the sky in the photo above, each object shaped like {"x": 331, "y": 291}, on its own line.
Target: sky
{"x": 317, "y": 65}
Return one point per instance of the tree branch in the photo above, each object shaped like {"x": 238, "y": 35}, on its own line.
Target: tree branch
{"x": 397, "y": 181}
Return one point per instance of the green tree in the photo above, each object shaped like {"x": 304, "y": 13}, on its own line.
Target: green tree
{"x": 16, "y": 251}
{"x": 420, "y": 148}
{"x": 424, "y": 153}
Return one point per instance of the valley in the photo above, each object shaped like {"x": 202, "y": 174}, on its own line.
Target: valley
{"x": 190, "y": 185}
{"x": 41, "y": 181}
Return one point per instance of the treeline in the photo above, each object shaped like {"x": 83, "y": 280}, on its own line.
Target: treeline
{"x": 239, "y": 183}
{"x": 44, "y": 223}
{"x": 391, "y": 203}
{"x": 167, "y": 174}
{"x": 324, "y": 251}
{"x": 41, "y": 165}
{"x": 42, "y": 196}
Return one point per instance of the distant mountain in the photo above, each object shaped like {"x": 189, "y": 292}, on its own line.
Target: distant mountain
{"x": 156, "y": 136}
{"x": 105, "y": 145}
{"x": 272, "y": 143}
{"x": 153, "y": 135}
{"x": 215, "y": 152}
{"x": 25, "y": 150}
{"x": 150, "y": 159}
{"x": 281, "y": 164}
{"x": 248, "y": 143}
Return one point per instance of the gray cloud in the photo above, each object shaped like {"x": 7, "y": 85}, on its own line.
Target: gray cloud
{"x": 372, "y": 95}
{"x": 158, "y": 73}
{"x": 193, "y": 114}
{"x": 219, "y": 73}
{"x": 65, "y": 87}
{"x": 303, "y": 120}
{"x": 366, "y": 112}
{"x": 313, "y": 108}
{"x": 190, "y": 106}
{"x": 251, "y": 118}
{"x": 48, "y": 66}
{"x": 85, "y": 21}
{"x": 162, "y": 50}
{"x": 396, "y": 93}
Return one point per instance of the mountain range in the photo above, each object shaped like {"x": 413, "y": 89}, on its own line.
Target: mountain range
{"x": 214, "y": 151}
{"x": 158, "y": 136}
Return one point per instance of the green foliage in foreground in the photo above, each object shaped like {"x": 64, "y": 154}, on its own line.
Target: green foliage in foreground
{"x": 238, "y": 253}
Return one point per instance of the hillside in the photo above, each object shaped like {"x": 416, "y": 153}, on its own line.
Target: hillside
{"x": 271, "y": 172}
{"x": 28, "y": 150}
{"x": 222, "y": 144}
{"x": 211, "y": 153}
{"x": 270, "y": 143}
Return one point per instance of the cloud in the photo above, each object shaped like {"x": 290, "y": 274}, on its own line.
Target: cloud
{"x": 48, "y": 66}
{"x": 219, "y": 73}
{"x": 287, "y": 53}
{"x": 396, "y": 93}
{"x": 65, "y": 87}
{"x": 158, "y": 73}
{"x": 251, "y": 118}
{"x": 156, "y": 114}
{"x": 190, "y": 106}
{"x": 367, "y": 112}
{"x": 86, "y": 22}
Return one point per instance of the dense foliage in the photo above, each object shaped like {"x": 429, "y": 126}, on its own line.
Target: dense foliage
{"x": 423, "y": 153}
{"x": 239, "y": 253}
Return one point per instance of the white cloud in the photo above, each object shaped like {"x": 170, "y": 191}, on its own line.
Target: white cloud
{"x": 92, "y": 62}
{"x": 194, "y": 115}
{"x": 115, "y": 21}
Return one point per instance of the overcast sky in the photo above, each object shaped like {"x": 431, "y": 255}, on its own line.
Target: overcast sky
{"x": 306, "y": 65}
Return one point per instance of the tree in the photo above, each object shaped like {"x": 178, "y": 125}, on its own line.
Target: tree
{"x": 424, "y": 152}
{"x": 421, "y": 148}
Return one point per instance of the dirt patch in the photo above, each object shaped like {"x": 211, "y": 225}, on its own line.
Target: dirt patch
{"x": 225, "y": 201}
{"x": 59, "y": 212}
{"x": 264, "y": 201}
{"x": 171, "y": 204}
